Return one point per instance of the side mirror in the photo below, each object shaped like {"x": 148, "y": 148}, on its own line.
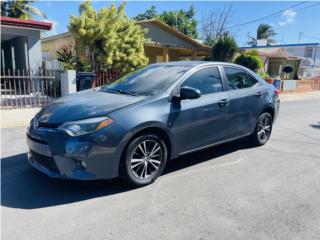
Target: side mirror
{"x": 189, "y": 93}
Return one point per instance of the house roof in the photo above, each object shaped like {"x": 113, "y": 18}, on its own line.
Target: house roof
{"x": 60, "y": 35}
{"x": 174, "y": 32}
{"x": 16, "y": 22}
{"x": 153, "y": 21}
{"x": 278, "y": 53}
{"x": 283, "y": 45}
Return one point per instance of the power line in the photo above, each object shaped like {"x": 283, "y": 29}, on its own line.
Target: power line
{"x": 278, "y": 13}
{"x": 299, "y": 9}
{"x": 308, "y": 36}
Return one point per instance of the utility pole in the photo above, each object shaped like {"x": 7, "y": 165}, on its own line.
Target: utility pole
{"x": 300, "y": 35}
{"x": 176, "y": 20}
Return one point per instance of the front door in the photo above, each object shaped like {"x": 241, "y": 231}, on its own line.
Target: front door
{"x": 203, "y": 121}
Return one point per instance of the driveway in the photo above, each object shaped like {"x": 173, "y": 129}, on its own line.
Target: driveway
{"x": 228, "y": 192}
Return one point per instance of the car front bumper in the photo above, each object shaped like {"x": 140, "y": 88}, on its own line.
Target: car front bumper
{"x": 95, "y": 156}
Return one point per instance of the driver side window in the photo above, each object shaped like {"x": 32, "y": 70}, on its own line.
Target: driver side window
{"x": 207, "y": 80}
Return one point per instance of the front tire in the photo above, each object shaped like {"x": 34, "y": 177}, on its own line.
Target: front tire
{"x": 263, "y": 130}
{"x": 144, "y": 159}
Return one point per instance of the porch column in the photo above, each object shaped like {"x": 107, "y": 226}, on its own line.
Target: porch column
{"x": 194, "y": 54}
{"x": 165, "y": 54}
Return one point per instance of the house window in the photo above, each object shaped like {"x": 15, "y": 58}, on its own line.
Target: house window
{"x": 45, "y": 55}
{"x": 308, "y": 52}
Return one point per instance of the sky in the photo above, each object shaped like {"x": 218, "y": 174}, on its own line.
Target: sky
{"x": 289, "y": 20}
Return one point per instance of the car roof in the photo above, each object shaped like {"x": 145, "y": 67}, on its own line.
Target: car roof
{"x": 195, "y": 63}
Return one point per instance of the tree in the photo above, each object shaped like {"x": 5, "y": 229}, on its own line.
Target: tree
{"x": 113, "y": 40}
{"x": 224, "y": 48}
{"x": 214, "y": 26}
{"x": 249, "y": 59}
{"x": 264, "y": 31}
{"x": 148, "y": 14}
{"x": 182, "y": 20}
{"x": 20, "y": 9}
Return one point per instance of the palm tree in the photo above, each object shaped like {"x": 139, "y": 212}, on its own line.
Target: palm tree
{"x": 20, "y": 9}
{"x": 264, "y": 31}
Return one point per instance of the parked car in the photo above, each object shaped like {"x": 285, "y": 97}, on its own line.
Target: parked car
{"x": 132, "y": 127}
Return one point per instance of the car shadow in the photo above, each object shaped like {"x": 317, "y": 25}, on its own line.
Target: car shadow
{"x": 23, "y": 187}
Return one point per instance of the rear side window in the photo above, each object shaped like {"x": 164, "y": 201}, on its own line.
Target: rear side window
{"x": 238, "y": 79}
{"x": 207, "y": 80}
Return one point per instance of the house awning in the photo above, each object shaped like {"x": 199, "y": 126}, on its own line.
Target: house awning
{"x": 21, "y": 23}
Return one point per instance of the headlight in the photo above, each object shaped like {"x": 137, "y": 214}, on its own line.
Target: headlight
{"x": 81, "y": 127}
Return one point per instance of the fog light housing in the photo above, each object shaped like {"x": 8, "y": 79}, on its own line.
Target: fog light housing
{"x": 81, "y": 164}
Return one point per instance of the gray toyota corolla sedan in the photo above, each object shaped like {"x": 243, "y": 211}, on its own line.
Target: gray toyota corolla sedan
{"x": 132, "y": 127}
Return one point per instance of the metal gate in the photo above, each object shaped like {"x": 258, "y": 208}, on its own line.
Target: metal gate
{"x": 20, "y": 89}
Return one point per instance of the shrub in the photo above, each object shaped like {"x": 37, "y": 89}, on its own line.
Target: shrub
{"x": 70, "y": 61}
{"x": 224, "y": 49}
{"x": 249, "y": 59}
{"x": 67, "y": 58}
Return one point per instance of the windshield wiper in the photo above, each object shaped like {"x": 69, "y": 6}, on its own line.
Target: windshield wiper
{"x": 120, "y": 91}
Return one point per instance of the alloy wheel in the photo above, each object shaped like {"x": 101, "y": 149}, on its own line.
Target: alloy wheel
{"x": 264, "y": 128}
{"x": 146, "y": 159}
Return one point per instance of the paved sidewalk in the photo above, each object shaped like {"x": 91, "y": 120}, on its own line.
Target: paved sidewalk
{"x": 17, "y": 117}
{"x": 21, "y": 117}
{"x": 285, "y": 97}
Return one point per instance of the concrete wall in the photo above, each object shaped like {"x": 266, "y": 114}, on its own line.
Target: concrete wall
{"x": 33, "y": 45}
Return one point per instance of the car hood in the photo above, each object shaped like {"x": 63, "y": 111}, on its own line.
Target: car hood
{"x": 85, "y": 104}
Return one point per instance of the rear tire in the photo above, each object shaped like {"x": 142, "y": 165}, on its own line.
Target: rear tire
{"x": 263, "y": 130}
{"x": 143, "y": 160}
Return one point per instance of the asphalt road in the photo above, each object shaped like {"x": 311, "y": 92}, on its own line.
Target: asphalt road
{"x": 228, "y": 192}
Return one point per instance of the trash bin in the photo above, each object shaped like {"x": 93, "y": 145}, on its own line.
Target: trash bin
{"x": 85, "y": 80}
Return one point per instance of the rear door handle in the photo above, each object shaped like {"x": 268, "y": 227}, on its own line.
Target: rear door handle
{"x": 258, "y": 94}
{"x": 223, "y": 102}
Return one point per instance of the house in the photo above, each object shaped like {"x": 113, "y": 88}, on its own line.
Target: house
{"x": 307, "y": 53}
{"x": 20, "y": 43}
{"x": 275, "y": 59}
{"x": 163, "y": 44}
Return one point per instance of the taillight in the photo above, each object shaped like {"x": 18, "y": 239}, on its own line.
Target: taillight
{"x": 276, "y": 91}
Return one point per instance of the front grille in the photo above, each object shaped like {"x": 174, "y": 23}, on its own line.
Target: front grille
{"x": 45, "y": 161}
{"x": 36, "y": 139}
{"x": 48, "y": 125}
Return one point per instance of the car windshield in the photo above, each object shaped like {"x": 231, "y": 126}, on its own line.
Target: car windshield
{"x": 147, "y": 81}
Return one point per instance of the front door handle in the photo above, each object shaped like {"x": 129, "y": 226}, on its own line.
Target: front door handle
{"x": 223, "y": 102}
{"x": 258, "y": 94}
